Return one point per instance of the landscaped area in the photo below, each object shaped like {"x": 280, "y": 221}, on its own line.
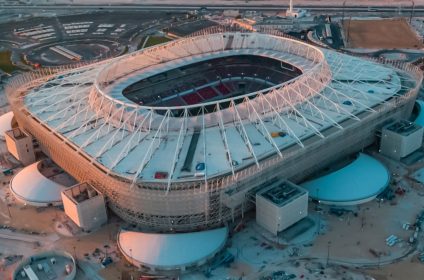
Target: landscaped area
{"x": 5, "y": 62}
{"x": 155, "y": 40}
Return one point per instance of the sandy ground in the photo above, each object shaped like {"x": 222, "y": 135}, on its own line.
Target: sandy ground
{"x": 370, "y": 231}
{"x": 411, "y": 270}
{"x": 380, "y": 34}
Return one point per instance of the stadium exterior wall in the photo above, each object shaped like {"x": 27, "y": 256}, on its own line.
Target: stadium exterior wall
{"x": 194, "y": 205}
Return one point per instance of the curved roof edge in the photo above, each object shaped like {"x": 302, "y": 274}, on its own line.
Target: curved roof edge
{"x": 358, "y": 182}
{"x": 31, "y": 187}
{"x": 171, "y": 251}
{"x": 5, "y": 123}
{"x": 420, "y": 117}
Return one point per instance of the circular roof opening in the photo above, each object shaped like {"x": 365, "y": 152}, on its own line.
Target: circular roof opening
{"x": 209, "y": 74}
{"x": 211, "y": 80}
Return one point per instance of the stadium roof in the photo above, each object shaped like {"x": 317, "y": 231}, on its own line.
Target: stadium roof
{"x": 86, "y": 108}
{"x": 30, "y": 186}
{"x": 360, "y": 181}
{"x": 171, "y": 251}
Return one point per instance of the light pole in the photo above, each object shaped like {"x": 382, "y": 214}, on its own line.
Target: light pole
{"x": 106, "y": 247}
{"x": 412, "y": 11}
{"x": 132, "y": 261}
{"x": 328, "y": 252}
{"x": 319, "y": 213}
{"x": 8, "y": 209}
{"x": 348, "y": 30}
{"x": 343, "y": 12}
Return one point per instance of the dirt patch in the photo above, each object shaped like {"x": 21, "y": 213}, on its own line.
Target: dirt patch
{"x": 401, "y": 270}
{"x": 380, "y": 34}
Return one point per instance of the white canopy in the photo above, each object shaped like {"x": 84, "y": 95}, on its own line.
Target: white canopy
{"x": 359, "y": 181}
{"x": 31, "y": 187}
{"x": 5, "y": 123}
{"x": 169, "y": 251}
{"x": 420, "y": 118}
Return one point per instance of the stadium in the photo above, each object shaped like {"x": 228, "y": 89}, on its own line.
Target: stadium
{"x": 180, "y": 136}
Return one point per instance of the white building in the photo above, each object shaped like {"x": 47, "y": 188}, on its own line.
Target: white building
{"x": 85, "y": 206}
{"x": 19, "y": 144}
{"x": 281, "y": 205}
{"x": 400, "y": 139}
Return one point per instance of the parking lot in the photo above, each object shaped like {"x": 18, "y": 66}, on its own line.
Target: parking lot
{"x": 91, "y": 35}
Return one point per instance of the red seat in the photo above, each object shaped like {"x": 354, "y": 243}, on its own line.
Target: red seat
{"x": 223, "y": 89}
{"x": 207, "y": 93}
{"x": 192, "y": 98}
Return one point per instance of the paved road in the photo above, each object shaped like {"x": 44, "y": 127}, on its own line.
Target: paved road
{"x": 25, "y": 237}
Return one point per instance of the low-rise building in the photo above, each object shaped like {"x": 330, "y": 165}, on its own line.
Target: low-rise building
{"x": 400, "y": 139}
{"x": 19, "y": 144}
{"x": 281, "y": 205}
{"x": 85, "y": 206}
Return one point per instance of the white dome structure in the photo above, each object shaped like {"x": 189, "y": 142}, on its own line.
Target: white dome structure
{"x": 171, "y": 252}
{"x": 30, "y": 186}
{"x": 5, "y": 123}
{"x": 358, "y": 182}
{"x": 420, "y": 116}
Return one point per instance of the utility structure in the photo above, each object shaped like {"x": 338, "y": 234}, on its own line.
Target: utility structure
{"x": 295, "y": 13}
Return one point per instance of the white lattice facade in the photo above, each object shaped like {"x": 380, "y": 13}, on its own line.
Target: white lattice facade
{"x": 87, "y": 126}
